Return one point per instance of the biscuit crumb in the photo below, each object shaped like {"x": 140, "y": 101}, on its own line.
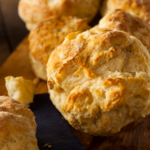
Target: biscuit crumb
{"x": 20, "y": 89}
{"x": 49, "y": 146}
{"x": 46, "y": 145}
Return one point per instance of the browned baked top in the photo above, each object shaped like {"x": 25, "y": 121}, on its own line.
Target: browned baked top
{"x": 99, "y": 80}
{"x": 17, "y": 126}
{"x": 50, "y": 33}
{"x": 33, "y": 11}
{"x": 139, "y": 8}
{"x": 121, "y": 20}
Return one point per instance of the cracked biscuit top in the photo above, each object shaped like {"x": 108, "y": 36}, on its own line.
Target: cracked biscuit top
{"x": 99, "y": 80}
{"x": 47, "y": 35}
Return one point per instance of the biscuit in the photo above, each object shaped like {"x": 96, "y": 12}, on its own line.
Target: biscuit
{"x": 20, "y": 89}
{"x": 100, "y": 80}
{"x": 18, "y": 127}
{"x": 47, "y": 35}
{"x": 121, "y": 20}
{"x": 33, "y": 11}
{"x": 138, "y": 8}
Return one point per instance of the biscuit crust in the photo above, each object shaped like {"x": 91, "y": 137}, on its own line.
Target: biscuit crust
{"x": 99, "y": 80}
{"x": 47, "y": 35}
{"x": 121, "y": 20}
{"x": 18, "y": 127}
{"x": 33, "y": 11}
{"x": 138, "y": 8}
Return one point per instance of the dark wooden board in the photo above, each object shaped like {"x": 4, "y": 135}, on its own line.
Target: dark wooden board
{"x": 134, "y": 136}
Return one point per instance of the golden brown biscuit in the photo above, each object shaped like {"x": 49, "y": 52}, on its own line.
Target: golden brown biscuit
{"x": 138, "y": 8}
{"x": 100, "y": 80}
{"x": 47, "y": 35}
{"x": 17, "y": 126}
{"x": 20, "y": 89}
{"x": 33, "y": 11}
{"x": 121, "y": 20}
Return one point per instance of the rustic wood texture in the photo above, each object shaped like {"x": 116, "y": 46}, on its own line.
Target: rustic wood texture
{"x": 18, "y": 64}
{"x": 134, "y": 136}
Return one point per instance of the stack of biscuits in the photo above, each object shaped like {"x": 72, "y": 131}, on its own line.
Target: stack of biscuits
{"x": 98, "y": 77}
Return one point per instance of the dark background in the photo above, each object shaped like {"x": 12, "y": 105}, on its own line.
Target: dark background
{"x": 12, "y": 29}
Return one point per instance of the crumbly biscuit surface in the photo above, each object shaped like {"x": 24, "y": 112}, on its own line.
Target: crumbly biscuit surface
{"x": 138, "y": 8}
{"x": 18, "y": 127}
{"x": 99, "y": 80}
{"x": 47, "y": 35}
{"x": 121, "y": 20}
{"x": 33, "y": 11}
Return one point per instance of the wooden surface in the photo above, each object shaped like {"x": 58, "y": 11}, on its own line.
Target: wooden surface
{"x": 134, "y": 136}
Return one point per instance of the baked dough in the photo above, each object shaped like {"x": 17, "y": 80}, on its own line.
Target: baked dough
{"x": 33, "y": 11}
{"x": 121, "y": 20}
{"x": 138, "y": 8}
{"x": 17, "y": 126}
{"x": 100, "y": 80}
{"x": 20, "y": 89}
{"x": 47, "y": 35}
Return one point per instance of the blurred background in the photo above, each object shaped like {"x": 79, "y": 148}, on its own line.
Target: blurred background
{"x": 12, "y": 29}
